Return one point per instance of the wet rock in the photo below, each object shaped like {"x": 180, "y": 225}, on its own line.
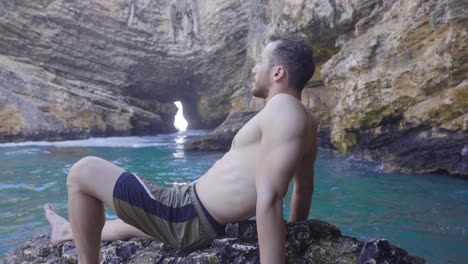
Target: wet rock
{"x": 311, "y": 241}
{"x": 380, "y": 251}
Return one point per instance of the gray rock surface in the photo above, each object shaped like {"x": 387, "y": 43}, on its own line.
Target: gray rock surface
{"x": 311, "y": 241}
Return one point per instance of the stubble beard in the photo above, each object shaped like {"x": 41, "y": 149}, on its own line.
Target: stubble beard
{"x": 258, "y": 90}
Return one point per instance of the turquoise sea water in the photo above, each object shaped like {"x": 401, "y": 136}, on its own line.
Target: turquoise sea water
{"x": 426, "y": 215}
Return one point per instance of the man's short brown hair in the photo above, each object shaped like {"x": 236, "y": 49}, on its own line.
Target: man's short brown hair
{"x": 295, "y": 55}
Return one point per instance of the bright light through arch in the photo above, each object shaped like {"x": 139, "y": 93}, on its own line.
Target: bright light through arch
{"x": 179, "y": 122}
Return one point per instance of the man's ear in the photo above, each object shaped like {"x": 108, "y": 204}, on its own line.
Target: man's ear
{"x": 279, "y": 73}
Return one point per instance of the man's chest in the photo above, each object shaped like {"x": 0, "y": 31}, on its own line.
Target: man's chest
{"x": 249, "y": 134}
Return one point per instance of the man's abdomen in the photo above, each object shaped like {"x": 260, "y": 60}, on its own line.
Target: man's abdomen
{"x": 228, "y": 188}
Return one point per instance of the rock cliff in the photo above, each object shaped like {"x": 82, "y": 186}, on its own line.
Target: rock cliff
{"x": 312, "y": 241}
{"x": 401, "y": 89}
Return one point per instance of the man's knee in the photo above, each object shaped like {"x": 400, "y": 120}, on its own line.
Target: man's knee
{"x": 81, "y": 171}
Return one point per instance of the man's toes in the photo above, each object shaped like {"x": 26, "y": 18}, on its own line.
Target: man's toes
{"x": 49, "y": 208}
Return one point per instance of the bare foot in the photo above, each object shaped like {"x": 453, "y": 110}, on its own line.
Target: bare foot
{"x": 58, "y": 225}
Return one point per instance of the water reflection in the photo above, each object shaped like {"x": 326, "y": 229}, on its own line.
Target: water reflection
{"x": 179, "y": 146}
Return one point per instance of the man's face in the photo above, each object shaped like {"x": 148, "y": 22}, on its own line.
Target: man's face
{"x": 262, "y": 75}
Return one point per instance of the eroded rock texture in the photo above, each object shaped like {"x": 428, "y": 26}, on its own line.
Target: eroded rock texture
{"x": 401, "y": 89}
{"x": 312, "y": 241}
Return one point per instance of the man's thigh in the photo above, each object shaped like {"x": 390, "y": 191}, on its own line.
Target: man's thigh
{"x": 96, "y": 177}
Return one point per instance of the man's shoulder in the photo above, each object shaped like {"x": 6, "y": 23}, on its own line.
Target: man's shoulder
{"x": 284, "y": 112}
{"x": 284, "y": 106}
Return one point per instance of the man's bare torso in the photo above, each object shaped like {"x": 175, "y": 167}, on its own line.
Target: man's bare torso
{"x": 228, "y": 189}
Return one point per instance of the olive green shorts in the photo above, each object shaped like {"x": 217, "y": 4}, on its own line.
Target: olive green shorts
{"x": 173, "y": 215}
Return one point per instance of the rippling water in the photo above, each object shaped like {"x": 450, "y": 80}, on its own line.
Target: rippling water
{"x": 425, "y": 214}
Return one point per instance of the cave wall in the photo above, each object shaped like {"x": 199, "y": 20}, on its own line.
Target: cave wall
{"x": 98, "y": 68}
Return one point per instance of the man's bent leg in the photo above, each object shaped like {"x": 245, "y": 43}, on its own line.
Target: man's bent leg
{"x": 90, "y": 183}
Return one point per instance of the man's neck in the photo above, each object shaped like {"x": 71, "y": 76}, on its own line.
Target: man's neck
{"x": 291, "y": 92}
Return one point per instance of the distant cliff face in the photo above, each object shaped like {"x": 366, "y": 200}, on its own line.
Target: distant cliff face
{"x": 81, "y": 68}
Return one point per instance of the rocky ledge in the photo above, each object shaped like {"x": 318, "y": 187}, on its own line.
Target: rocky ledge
{"x": 311, "y": 241}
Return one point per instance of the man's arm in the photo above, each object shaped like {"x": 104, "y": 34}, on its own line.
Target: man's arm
{"x": 281, "y": 148}
{"x": 304, "y": 179}
{"x": 303, "y": 190}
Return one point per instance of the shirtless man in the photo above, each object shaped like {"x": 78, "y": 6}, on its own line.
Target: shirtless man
{"x": 276, "y": 146}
